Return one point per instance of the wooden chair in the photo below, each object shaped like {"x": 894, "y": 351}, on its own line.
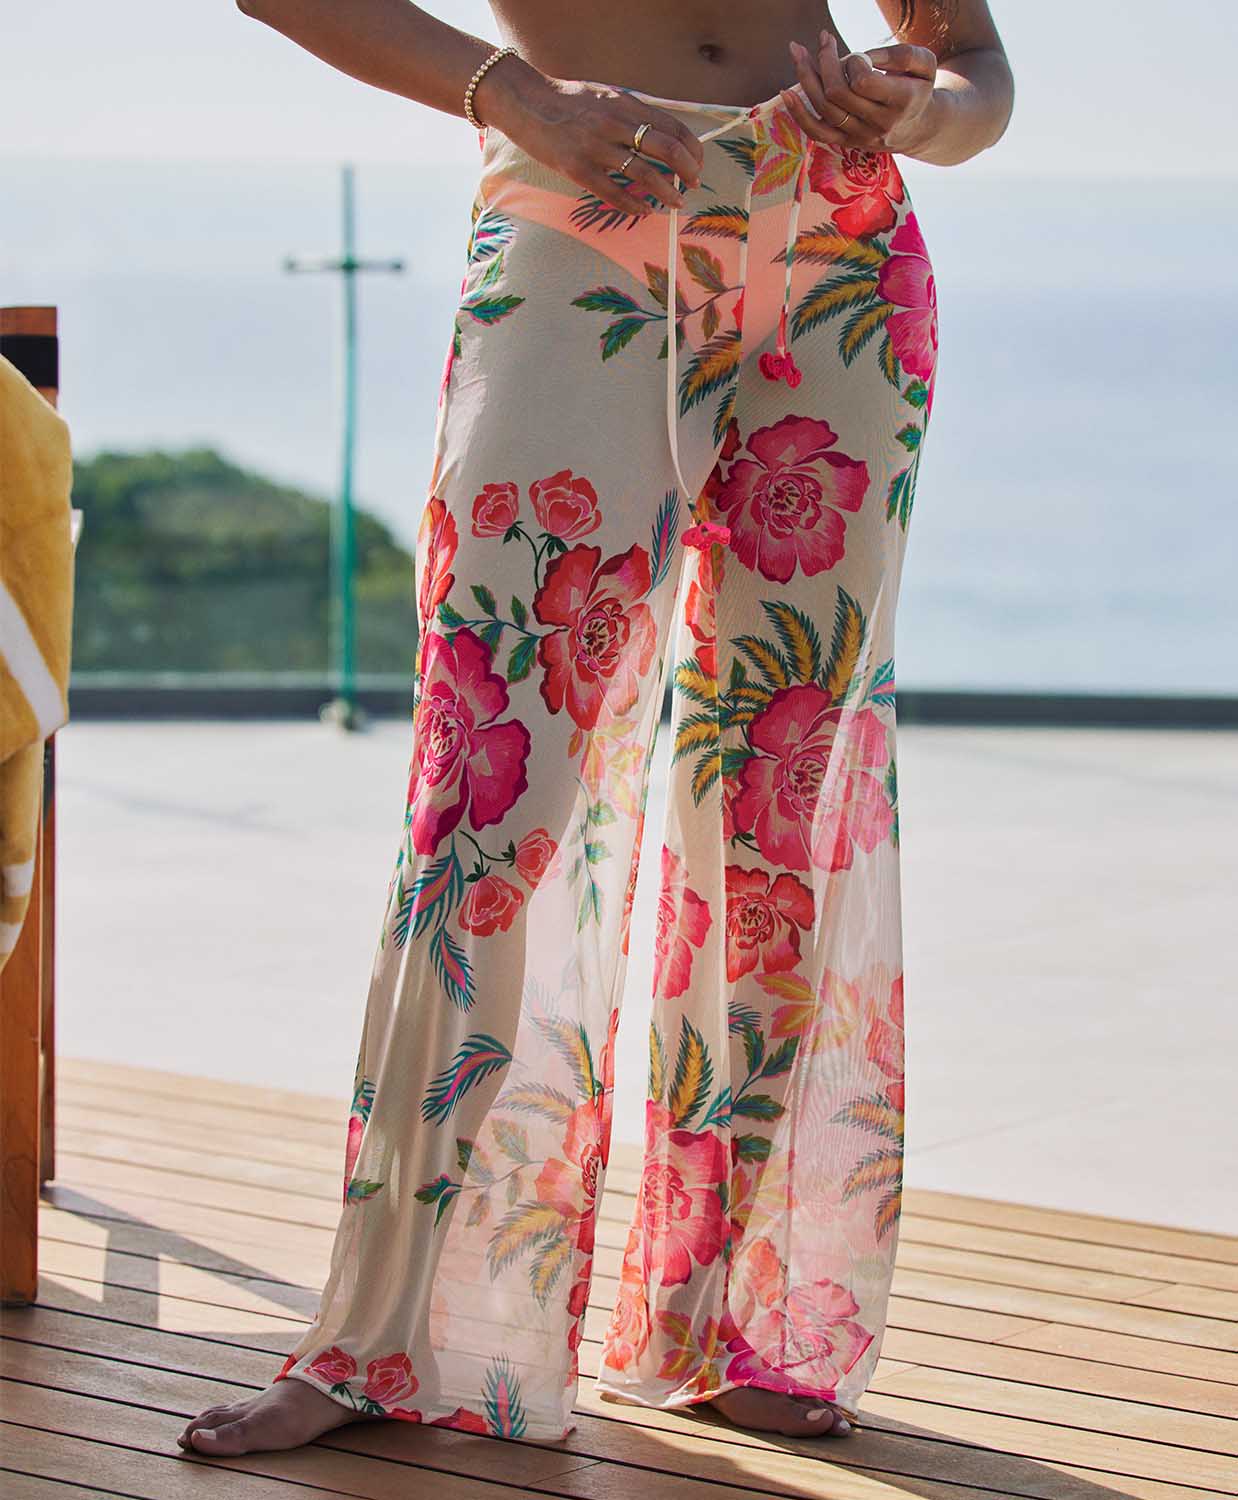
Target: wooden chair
{"x": 28, "y": 339}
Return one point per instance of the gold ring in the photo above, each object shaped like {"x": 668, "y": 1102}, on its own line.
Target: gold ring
{"x": 640, "y": 135}
{"x": 627, "y": 161}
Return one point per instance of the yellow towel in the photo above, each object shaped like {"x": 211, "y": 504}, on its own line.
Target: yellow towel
{"x": 36, "y": 619}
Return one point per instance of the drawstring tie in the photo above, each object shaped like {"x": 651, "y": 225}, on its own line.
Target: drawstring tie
{"x": 776, "y": 365}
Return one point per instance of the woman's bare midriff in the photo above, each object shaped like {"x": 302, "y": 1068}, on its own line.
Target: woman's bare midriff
{"x": 715, "y": 51}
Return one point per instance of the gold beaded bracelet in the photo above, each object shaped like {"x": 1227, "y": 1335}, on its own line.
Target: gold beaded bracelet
{"x": 477, "y": 78}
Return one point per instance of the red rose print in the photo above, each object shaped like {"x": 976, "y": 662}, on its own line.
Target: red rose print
{"x": 683, "y": 919}
{"x": 333, "y": 1366}
{"x": 437, "y": 540}
{"x": 495, "y": 509}
{"x": 761, "y": 921}
{"x": 356, "y": 1129}
{"x": 605, "y": 637}
{"x": 866, "y": 184}
{"x": 389, "y": 1379}
{"x": 566, "y": 505}
{"x": 533, "y": 855}
{"x": 810, "y": 794}
{"x": 462, "y": 759}
{"x": 885, "y": 1034}
{"x": 679, "y": 1207}
{"x": 784, "y": 503}
{"x": 490, "y": 906}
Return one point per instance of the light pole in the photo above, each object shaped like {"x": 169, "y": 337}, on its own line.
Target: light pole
{"x": 342, "y": 709}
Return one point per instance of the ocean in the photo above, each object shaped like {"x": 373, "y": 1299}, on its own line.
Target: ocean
{"x": 1076, "y": 525}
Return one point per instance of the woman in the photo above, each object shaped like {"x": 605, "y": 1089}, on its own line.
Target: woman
{"x": 614, "y": 505}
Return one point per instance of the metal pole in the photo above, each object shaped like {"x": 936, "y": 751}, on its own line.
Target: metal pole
{"x": 341, "y": 608}
{"x": 344, "y": 633}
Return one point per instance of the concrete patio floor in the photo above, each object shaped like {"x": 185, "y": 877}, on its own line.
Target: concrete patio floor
{"x": 1068, "y": 900}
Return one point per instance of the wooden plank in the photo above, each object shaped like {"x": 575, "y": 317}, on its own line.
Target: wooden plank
{"x": 1074, "y": 1281}
{"x": 288, "y": 1104}
{"x": 16, "y": 1486}
{"x": 115, "y": 1205}
{"x": 1207, "y": 1301}
{"x": 162, "y": 1278}
{"x": 174, "y": 1397}
{"x": 325, "y": 1183}
{"x": 290, "y": 1263}
{"x": 144, "y": 1111}
{"x": 1086, "y": 1312}
{"x": 1044, "y": 1441}
{"x": 1059, "y": 1372}
{"x": 910, "y": 1457}
{"x": 172, "y": 1187}
{"x": 21, "y": 1019}
{"x": 1069, "y": 1408}
{"x": 1138, "y": 1352}
{"x": 323, "y": 1150}
{"x": 915, "y": 1229}
{"x": 1089, "y": 1228}
{"x": 47, "y": 998}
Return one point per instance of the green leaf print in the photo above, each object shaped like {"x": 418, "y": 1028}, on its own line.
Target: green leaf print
{"x": 485, "y": 599}
{"x": 752, "y": 1148}
{"x": 694, "y": 1074}
{"x": 363, "y": 1188}
{"x": 608, "y": 299}
{"x": 490, "y": 309}
{"x": 523, "y": 655}
{"x": 504, "y": 1406}
{"x": 757, "y": 1107}
{"x": 476, "y": 1059}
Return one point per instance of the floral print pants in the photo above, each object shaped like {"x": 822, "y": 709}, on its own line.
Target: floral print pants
{"x": 674, "y": 449}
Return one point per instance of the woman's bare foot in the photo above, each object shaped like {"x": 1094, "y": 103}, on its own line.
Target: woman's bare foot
{"x": 284, "y": 1415}
{"x": 771, "y": 1411}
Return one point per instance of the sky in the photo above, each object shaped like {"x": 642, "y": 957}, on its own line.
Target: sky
{"x": 1104, "y": 87}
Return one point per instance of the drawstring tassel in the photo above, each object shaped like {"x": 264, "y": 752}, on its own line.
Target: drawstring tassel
{"x": 780, "y": 365}
{"x": 705, "y": 534}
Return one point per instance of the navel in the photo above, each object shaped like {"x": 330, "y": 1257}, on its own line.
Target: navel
{"x": 710, "y": 51}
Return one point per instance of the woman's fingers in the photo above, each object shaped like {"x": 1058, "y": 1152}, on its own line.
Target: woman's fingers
{"x": 902, "y": 57}
{"x": 646, "y": 178}
{"x": 812, "y": 84}
{"x": 667, "y": 139}
{"x": 671, "y": 150}
{"x": 812, "y": 124}
{"x": 603, "y": 186}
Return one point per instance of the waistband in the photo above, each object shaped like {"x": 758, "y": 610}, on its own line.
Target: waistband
{"x": 723, "y": 113}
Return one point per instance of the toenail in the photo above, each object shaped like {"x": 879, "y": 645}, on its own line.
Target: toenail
{"x": 842, "y": 1426}
{"x": 821, "y": 1411}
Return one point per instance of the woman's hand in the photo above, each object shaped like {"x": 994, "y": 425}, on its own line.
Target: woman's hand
{"x": 873, "y": 101}
{"x": 585, "y": 131}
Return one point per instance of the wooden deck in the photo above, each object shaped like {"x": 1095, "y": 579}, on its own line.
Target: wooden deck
{"x": 1029, "y": 1353}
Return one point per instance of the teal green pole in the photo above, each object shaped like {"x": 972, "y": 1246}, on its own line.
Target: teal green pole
{"x": 341, "y": 589}
{"x": 346, "y": 542}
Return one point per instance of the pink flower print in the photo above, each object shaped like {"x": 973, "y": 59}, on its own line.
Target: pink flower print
{"x": 762, "y": 919}
{"x": 865, "y": 184}
{"x": 566, "y": 505}
{"x": 352, "y": 1147}
{"x": 495, "y": 509}
{"x": 809, "y": 793}
{"x": 463, "y": 760}
{"x": 332, "y": 1367}
{"x": 784, "y": 503}
{"x": 627, "y": 1336}
{"x": 813, "y": 1334}
{"x": 604, "y": 637}
{"x": 683, "y": 919}
{"x": 679, "y": 1205}
{"x": 490, "y": 906}
{"x": 906, "y": 279}
{"x": 571, "y": 1185}
{"x": 437, "y": 540}
{"x": 389, "y": 1379}
{"x": 885, "y": 1033}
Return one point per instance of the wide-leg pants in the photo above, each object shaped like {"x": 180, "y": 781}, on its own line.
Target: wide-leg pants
{"x": 680, "y": 448}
